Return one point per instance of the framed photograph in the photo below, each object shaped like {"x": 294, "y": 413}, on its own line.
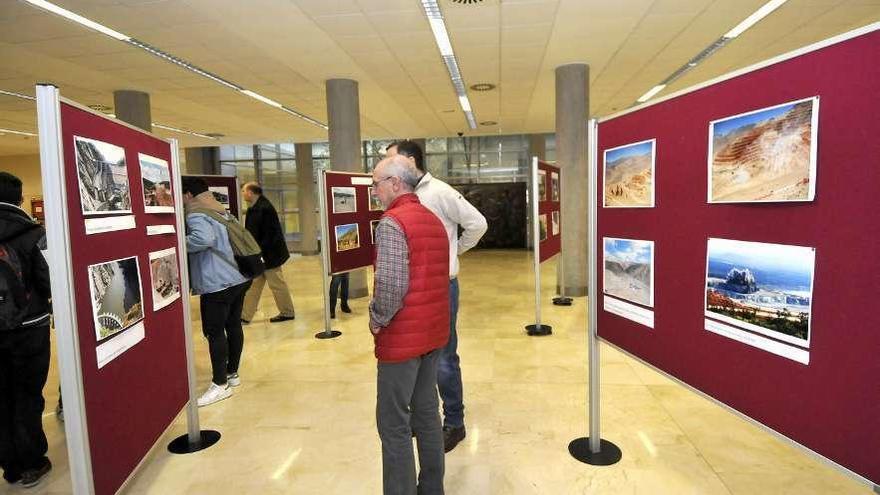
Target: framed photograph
{"x": 164, "y": 277}
{"x": 221, "y": 194}
{"x": 542, "y": 227}
{"x": 373, "y": 225}
{"x": 766, "y": 155}
{"x": 554, "y": 222}
{"x": 117, "y": 297}
{"x": 554, "y": 186}
{"x": 628, "y": 175}
{"x": 103, "y": 177}
{"x": 156, "y": 179}
{"x": 347, "y": 237}
{"x": 760, "y": 287}
{"x": 375, "y": 204}
{"x": 629, "y": 269}
{"x": 344, "y": 199}
{"x": 542, "y": 185}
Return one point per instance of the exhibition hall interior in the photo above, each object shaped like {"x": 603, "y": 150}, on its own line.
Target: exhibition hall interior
{"x": 658, "y": 235}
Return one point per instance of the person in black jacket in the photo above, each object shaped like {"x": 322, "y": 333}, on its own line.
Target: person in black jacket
{"x": 24, "y": 340}
{"x": 263, "y": 223}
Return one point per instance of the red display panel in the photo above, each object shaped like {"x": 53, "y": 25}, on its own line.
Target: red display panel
{"x": 830, "y": 405}
{"x": 549, "y": 210}
{"x": 231, "y": 185}
{"x": 131, "y": 400}
{"x": 348, "y": 211}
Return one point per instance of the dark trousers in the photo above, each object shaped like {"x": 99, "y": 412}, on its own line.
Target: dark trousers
{"x": 221, "y": 324}
{"x": 448, "y": 369}
{"x": 407, "y": 403}
{"x": 335, "y": 282}
{"x": 24, "y": 367}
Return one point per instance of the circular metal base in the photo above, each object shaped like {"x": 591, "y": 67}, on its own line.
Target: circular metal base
{"x": 538, "y": 331}
{"x": 608, "y": 452}
{"x": 181, "y": 445}
{"x": 562, "y": 301}
{"x": 331, "y": 334}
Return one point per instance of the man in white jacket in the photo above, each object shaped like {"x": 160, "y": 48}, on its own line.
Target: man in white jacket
{"x": 454, "y": 211}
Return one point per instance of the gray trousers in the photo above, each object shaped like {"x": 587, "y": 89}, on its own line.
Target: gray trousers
{"x": 407, "y": 395}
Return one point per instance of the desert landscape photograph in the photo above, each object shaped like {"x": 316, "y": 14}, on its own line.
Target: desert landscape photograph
{"x": 629, "y": 175}
{"x": 765, "y": 155}
{"x": 629, "y": 269}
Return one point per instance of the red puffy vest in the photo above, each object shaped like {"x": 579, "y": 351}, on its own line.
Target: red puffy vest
{"x": 422, "y": 324}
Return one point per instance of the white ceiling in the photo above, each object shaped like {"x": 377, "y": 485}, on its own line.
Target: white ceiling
{"x": 286, "y": 49}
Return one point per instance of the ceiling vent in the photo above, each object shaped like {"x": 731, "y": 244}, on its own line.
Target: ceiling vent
{"x": 215, "y": 135}
{"x": 488, "y": 123}
{"x": 467, "y": 2}
{"x": 483, "y": 87}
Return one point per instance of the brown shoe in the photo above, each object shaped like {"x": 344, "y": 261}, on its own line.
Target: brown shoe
{"x": 452, "y": 436}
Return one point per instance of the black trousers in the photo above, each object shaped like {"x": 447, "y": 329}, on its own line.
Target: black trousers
{"x": 221, "y": 324}
{"x": 24, "y": 367}
{"x": 335, "y": 282}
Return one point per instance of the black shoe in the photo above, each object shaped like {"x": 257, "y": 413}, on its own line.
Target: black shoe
{"x": 345, "y": 308}
{"x": 33, "y": 477}
{"x": 245, "y": 322}
{"x": 333, "y": 315}
{"x": 280, "y": 318}
{"x": 452, "y": 436}
{"x": 11, "y": 477}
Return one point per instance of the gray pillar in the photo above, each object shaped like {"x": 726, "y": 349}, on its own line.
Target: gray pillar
{"x": 133, "y": 107}
{"x": 538, "y": 146}
{"x": 305, "y": 197}
{"x": 344, "y": 120}
{"x": 572, "y": 111}
{"x": 202, "y": 160}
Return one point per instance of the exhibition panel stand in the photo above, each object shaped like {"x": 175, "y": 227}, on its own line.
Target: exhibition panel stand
{"x": 349, "y": 215}
{"x": 226, "y": 190}
{"x": 114, "y": 221}
{"x": 546, "y": 199}
{"x": 737, "y": 248}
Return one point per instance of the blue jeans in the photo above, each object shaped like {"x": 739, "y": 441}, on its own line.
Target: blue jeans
{"x": 448, "y": 369}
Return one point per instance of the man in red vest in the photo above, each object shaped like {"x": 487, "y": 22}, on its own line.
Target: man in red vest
{"x": 409, "y": 319}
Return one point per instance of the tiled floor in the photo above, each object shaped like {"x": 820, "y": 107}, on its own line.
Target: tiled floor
{"x": 303, "y": 420}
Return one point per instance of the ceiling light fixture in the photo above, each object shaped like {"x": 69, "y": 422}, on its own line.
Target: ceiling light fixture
{"x": 17, "y": 133}
{"x": 182, "y": 131}
{"x": 17, "y": 95}
{"x": 716, "y": 45}
{"x": 50, "y": 7}
{"x": 441, "y": 37}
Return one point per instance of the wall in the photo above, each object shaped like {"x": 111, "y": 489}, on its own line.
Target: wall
{"x": 26, "y": 168}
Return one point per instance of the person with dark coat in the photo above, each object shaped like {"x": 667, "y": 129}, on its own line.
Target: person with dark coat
{"x": 262, "y": 222}
{"x": 24, "y": 339}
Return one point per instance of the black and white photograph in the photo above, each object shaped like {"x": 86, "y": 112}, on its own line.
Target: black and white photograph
{"x": 542, "y": 185}
{"x": 554, "y": 186}
{"x": 344, "y": 199}
{"x": 156, "y": 179}
{"x": 117, "y": 297}
{"x": 103, "y": 177}
{"x": 554, "y": 222}
{"x": 164, "y": 277}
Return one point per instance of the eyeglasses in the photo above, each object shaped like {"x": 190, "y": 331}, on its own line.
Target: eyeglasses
{"x": 377, "y": 182}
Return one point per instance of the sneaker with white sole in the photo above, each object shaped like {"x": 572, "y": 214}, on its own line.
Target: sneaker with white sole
{"x": 215, "y": 393}
{"x": 233, "y": 380}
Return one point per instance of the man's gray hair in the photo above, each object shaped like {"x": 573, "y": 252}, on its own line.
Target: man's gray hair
{"x": 399, "y": 166}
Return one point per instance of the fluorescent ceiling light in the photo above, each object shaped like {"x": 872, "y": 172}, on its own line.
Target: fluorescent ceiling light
{"x": 17, "y": 95}
{"x": 465, "y": 103}
{"x": 650, "y": 94}
{"x": 753, "y": 19}
{"x": 50, "y": 7}
{"x": 182, "y": 131}
{"x": 18, "y": 133}
{"x": 78, "y": 19}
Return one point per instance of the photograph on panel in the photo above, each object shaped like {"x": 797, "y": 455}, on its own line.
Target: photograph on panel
{"x": 344, "y": 199}
{"x": 765, "y": 155}
{"x": 542, "y": 185}
{"x": 164, "y": 277}
{"x": 542, "y": 227}
{"x": 554, "y": 186}
{"x": 156, "y": 179}
{"x": 764, "y": 288}
{"x": 375, "y": 203}
{"x": 221, "y": 194}
{"x": 629, "y": 175}
{"x": 347, "y": 237}
{"x": 373, "y": 225}
{"x": 629, "y": 269}
{"x": 554, "y": 222}
{"x": 117, "y": 300}
{"x": 103, "y": 177}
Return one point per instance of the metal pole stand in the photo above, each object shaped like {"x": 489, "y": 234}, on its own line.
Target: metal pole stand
{"x": 182, "y": 445}
{"x": 536, "y": 330}
{"x": 607, "y": 455}
{"x": 561, "y": 301}
{"x": 327, "y": 333}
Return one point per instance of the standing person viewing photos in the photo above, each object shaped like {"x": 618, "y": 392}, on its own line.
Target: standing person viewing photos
{"x": 454, "y": 211}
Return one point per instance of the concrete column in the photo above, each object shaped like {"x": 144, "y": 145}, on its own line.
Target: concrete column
{"x": 344, "y": 120}
{"x": 133, "y": 107}
{"x": 572, "y": 111}
{"x": 305, "y": 196}
{"x": 202, "y": 160}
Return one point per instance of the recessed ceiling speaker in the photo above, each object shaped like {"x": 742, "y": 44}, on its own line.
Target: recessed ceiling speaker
{"x": 483, "y": 87}
{"x": 488, "y": 123}
{"x": 467, "y": 2}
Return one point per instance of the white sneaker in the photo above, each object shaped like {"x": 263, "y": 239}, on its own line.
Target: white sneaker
{"x": 215, "y": 393}
{"x": 233, "y": 380}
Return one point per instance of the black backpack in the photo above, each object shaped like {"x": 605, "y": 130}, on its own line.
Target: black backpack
{"x": 13, "y": 294}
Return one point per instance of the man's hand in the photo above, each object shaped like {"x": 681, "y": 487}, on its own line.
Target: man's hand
{"x": 375, "y": 329}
